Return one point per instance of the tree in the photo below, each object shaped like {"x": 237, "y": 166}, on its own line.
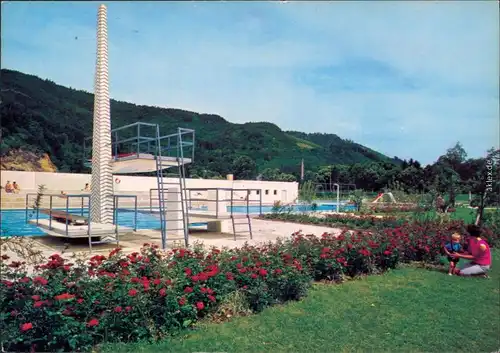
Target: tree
{"x": 307, "y": 192}
{"x": 244, "y": 168}
{"x": 274, "y": 174}
{"x": 270, "y": 174}
{"x": 311, "y": 176}
{"x": 334, "y": 174}
{"x": 324, "y": 178}
{"x": 356, "y": 197}
{"x": 454, "y": 156}
{"x": 447, "y": 169}
{"x": 486, "y": 183}
{"x": 366, "y": 175}
{"x": 287, "y": 177}
{"x": 409, "y": 179}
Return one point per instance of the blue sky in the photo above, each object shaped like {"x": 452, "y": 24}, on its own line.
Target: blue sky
{"x": 405, "y": 78}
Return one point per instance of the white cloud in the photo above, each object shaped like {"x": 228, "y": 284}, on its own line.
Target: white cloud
{"x": 245, "y": 62}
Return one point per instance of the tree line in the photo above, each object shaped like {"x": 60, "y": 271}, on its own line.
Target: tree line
{"x": 453, "y": 173}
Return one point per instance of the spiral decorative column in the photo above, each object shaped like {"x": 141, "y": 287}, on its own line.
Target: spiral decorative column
{"x": 101, "y": 210}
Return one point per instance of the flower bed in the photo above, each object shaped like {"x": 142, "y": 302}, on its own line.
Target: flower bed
{"x": 150, "y": 295}
{"x": 144, "y": 295}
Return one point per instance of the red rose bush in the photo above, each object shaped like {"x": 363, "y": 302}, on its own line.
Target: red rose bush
{"x": 149, "y": 295}
{"x": 140, "y": 296}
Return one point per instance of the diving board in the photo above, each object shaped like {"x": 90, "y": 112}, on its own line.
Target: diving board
{"x": 57, "y": 229}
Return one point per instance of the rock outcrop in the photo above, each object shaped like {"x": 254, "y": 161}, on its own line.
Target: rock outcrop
{"x": 20, "y": 160}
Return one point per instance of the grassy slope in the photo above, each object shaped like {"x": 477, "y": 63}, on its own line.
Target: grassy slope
{"x": 406, "y": 310}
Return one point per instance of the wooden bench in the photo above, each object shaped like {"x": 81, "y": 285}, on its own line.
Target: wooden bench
{"x": 62, "y": 216}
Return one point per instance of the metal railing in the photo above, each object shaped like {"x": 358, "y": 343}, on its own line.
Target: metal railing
{"x": 139, "y": 143}
{"x": 81, "y": 211}
{"x": 116, "y": 199}
{"x": 247, "y": 201}
{"x": 65, "y": 196}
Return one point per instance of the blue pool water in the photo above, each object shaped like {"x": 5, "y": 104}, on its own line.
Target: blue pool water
{"x": 294, "y": 208}
{"x": 13, "y": 222}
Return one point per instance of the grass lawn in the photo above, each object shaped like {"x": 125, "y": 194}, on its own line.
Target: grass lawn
{"x": 405, "y": 310}
{"x": 468, "y": 215}
{"x": 462, "y": 197}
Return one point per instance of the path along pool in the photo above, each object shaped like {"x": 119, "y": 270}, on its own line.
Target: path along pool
{"x": 13, "y": 222}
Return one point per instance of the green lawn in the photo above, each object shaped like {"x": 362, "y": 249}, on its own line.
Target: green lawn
{"x": 406, "y": 310}
{"x": 462, "y": 197}
{"x": 468, "y": 215}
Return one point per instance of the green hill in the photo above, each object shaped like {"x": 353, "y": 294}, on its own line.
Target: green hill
{"x": 40, "y": 116}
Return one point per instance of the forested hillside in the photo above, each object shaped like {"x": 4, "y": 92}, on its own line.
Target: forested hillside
{"x": 40, "y": 116}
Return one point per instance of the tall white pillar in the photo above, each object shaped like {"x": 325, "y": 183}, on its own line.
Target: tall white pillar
{"x": 218, "y": 202}
{"x": 101, "y": 210}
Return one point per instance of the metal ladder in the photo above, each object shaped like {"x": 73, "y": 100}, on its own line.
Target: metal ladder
{"x": 163, "y": 189}
{"x": 248, "y": 223}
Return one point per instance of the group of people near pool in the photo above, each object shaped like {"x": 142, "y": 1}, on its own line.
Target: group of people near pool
{"x": 12, "y": 188}
{"x": 475, "y": 249}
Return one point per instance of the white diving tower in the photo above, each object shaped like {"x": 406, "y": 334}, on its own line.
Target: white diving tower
{"x": 132, "y": 149}
{"x": 140, "y": 148}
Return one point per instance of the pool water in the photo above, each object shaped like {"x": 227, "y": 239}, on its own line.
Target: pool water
{"x": 294, "y": 208}
{"x": 13, "y": 222}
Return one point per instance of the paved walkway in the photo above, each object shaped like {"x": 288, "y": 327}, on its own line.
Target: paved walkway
{"x": 263, "y": 232}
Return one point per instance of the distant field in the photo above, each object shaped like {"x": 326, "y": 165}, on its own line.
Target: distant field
{"x": 304, "y": 144}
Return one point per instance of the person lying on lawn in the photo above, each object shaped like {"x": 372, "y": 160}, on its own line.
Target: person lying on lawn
{"x": 478, "y": 252}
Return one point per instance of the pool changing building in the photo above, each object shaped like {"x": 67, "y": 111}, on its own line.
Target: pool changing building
{"x": 271, "y": 191}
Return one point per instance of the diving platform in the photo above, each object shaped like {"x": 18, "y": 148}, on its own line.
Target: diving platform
{"x": 75, "y": 224}
{"x": 57, "y": 229}
{"x": 130, "y": 163}
{"x": 139, "y": 148}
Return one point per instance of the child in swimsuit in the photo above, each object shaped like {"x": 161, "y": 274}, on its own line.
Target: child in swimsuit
{"x": 453, "y": 246}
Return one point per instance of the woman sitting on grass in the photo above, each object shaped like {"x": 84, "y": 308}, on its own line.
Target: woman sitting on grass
{"x": 478, "y": 252}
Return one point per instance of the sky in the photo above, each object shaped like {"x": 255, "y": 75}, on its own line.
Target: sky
{"x": 408, "y": 79}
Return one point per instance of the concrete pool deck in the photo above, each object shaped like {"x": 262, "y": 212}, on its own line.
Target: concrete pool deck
{"x": 263, "y": 231}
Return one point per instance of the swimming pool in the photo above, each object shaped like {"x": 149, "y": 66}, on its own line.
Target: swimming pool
{"x": 294, "y": 208}
{"x": 13, "y": 222}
